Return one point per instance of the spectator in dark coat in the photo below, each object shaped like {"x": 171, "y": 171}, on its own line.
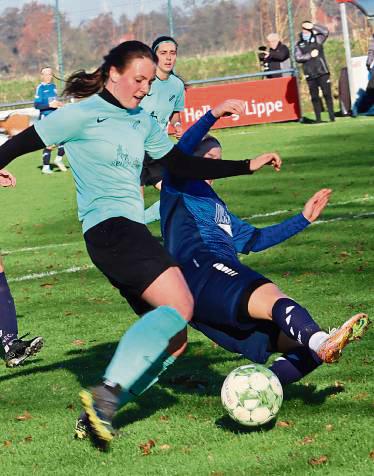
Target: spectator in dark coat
{"x": 309, "y": 52}
{"x": 278, "y": 55}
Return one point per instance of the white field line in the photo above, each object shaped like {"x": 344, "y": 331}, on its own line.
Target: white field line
{"x": 37, "y": 248}
{"x": 29, "y": 277}
{"x": 76, "y": 269}
{"x": 365, "y": 199}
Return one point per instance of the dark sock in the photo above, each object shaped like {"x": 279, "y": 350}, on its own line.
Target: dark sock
{"x": 8, "y": 318}
{"x": 294, "y": 320}
{"x": 46, "y": 156}
{"x": 293, "y": 366}
{"x": 60, "y": 151}
{"x": 107, "y": 399}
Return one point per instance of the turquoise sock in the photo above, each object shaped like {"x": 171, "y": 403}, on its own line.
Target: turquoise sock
{"x": 149, "y": 378}
{"x": 144, "y": 346}
{"x": 152, "y": 213}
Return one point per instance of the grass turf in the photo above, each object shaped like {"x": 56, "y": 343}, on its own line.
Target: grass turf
{"x": 179, "y": 427}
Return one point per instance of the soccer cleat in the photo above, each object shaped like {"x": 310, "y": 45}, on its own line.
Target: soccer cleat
{"x": 19, "y": 350}
{"x": 60, "y": 165}
{"x": 82, "y": 427}
{"x": 330, "y": 350}
{"x": 96, "y": 409}
{"x": 47, "y": 170}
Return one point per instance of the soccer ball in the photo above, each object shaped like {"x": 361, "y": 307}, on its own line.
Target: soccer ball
{"x": 252, "y": 395}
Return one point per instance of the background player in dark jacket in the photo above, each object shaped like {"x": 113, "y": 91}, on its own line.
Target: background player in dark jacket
{"x": 46, "y": 101}
{"x": 277, "y": 55}
{"x": 309, "y": 52}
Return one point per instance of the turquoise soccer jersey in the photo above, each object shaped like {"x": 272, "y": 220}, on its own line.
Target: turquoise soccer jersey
{"x": 165, "y": 97}
{"x": 105, "y": 146}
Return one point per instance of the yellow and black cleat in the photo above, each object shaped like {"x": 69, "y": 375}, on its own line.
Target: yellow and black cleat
{"x": 99, "y": 423}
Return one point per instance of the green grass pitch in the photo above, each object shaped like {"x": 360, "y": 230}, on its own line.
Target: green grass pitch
{"x": 179, "y": 427}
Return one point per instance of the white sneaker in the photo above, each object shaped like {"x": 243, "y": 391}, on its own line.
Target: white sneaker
{"x": 60, "y": 165}
{"x": 47, "y": 169}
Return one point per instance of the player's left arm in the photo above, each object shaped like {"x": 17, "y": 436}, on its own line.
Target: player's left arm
{"x": 263, "y": 238}
{"x": 175, "y": 121}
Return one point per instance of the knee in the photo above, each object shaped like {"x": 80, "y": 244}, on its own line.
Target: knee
{"x": 178, "y": 344}
{"x": 186, "y": 307}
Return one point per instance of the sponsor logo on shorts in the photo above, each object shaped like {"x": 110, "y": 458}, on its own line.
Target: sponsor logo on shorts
{"x": 225, "y": 269}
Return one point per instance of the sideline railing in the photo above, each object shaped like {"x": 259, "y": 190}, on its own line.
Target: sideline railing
{"x": 291, "y": 71}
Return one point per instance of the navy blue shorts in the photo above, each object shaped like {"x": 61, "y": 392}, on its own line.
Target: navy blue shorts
{"x": 221, "y": 289}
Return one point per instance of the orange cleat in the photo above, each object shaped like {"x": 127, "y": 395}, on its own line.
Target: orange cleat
{"x": 353, "y": 329}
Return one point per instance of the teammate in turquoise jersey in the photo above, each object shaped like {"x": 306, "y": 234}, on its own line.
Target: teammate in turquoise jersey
{"x": 164, "y": 102}
{"x": 105, "y": 137}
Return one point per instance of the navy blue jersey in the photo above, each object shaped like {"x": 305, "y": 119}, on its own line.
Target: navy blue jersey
{"x": 194, "y": 220}
{"x": 44, "y": 93}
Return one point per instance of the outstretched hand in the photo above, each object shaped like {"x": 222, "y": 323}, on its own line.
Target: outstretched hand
{"x": 269, "y": 158}
{"x": 228, "y": 107}
{"x": 7, "y": 179}
{"x": 316, "y": 204}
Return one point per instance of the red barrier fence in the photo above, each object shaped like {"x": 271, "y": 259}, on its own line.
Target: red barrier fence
{"x": 268, "y": 100}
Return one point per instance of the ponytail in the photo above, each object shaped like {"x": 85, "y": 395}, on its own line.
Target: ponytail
{"x": 82, "y": 84}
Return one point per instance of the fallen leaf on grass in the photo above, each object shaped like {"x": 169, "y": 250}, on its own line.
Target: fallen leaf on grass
{"x": 26, "y": 416}
{"x": 307, "y": 440}
{"x": 318, "y": 460}
{"x": 7, "y": 443}
{"x": 70, "y": 406}
{"x": 165, "y": 447}
{"x": 191, "y": 417}
{"x": 78, "y": 342}
{"x": 284, "y": 424}
{"x": 164, "y": 418}
{"x": 28, "y": 439}
{"x": 361, "y": 396}
{"x": 329, "y": 427}
{"x": 217, "y": 473}
{"x": 46, "y": 285}
{"x": 339, "y": 384}
{"x": 371, "y": 454}
{"x": 146, "y": 447}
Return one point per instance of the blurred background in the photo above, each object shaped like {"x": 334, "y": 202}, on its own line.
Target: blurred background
{"x": 216, "y": 37}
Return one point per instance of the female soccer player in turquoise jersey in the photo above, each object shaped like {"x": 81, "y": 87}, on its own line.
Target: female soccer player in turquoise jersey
{"x": 105, "y": 137}
{"x": 164, "y": 102}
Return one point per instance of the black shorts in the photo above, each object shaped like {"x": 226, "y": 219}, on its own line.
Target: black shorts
{"x": 152, "y": 171}
{"x": 129, "y": 256}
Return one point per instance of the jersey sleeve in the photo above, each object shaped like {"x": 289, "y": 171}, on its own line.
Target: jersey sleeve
{"x": 64, "y": 125}
{"x": 157, "y": 144}
{"x": 179, "y": 103}
{"x": 275, "y": 234}
{"x": 194, "y": 134}
{"x": 40, "y": 101}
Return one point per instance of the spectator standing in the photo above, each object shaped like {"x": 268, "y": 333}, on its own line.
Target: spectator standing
{"x": 370, "y": 58}
{"x": 309, "y": 52}
{"x": 278, "y": 56}
{"x": 46, "y": 101}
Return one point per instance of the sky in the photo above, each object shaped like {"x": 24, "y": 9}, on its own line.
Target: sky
{"x": 80, "y": 10}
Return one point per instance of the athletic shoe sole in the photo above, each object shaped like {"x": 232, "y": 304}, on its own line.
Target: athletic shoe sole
{"x": 99, "y": 426}
{"x": 33, "y": 349}
{"x": 351, "y": 330}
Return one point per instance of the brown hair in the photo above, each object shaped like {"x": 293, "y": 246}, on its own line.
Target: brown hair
{"x": 82, "y": 84}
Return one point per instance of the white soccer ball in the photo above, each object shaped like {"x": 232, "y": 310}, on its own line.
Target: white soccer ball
{"x": 252, "y": 395}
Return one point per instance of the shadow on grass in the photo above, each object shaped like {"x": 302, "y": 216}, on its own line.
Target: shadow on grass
{"x": 227, "y": 424}
{"x": 192, "y": 375}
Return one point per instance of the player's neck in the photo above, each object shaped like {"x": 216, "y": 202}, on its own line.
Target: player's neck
{"x": 162, "y": 75}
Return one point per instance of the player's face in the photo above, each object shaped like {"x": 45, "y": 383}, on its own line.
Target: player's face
{"x": 46, "y": 75}
{"x": 130, "y": 86}
{"x": 216, "y": 154}
{"x": 167, "y": 56}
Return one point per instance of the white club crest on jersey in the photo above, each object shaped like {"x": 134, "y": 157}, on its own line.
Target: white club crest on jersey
{"x": 222, "y": 219}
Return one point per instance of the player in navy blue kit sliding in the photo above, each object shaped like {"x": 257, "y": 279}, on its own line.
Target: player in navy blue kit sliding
{"x": 46, "y": 101}
{"x": 235, "y": 306}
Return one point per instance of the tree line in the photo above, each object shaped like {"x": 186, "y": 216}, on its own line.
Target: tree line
{"x": 28, "y": 35}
